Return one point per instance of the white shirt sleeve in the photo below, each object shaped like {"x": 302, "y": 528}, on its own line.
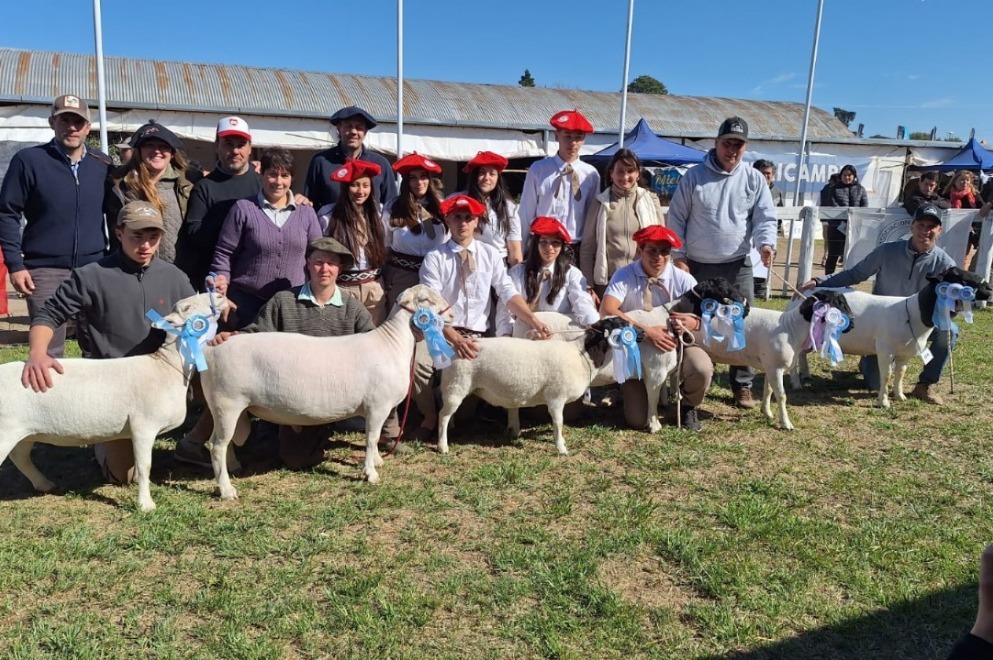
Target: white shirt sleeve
{"x": 583, "y": 309}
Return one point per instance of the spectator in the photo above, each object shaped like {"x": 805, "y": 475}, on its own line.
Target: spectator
{"x": 613, "y": 216}
{"x": 562, "y": 186}
{"x": 352, "y": 124}
{"x": 113, "y": 295}
{"x": 59, "y": 188}
{"x": 260, "y": 250}
{"x": 962, "y": 194}
{"x": 501, "y": 226}
{"x": 156, "y": 176}
{"x": 768, "y": 170}
{"x": 213, "y": 196}
{"x": 926, "y": 193}
{"x": 125, "y": 150}
{"x": 720, "y": 209}
{"x": 846, "y": 192}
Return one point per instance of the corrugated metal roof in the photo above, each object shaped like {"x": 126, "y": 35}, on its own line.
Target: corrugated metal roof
{"x": 39, "y": 76}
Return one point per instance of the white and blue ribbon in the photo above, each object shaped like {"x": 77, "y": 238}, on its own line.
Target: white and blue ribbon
{"x": 627, "y": 357}
{"x": 949, "y": 295}
{"x": 196, "y": 332}
{"x": 723, "y": 321}
{"x": 431, "y": 325}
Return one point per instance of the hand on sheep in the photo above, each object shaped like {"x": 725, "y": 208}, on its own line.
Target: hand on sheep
{"x": 687, "y": 322}
{"x": 466, "y": 347}
{"x": 36, "y": 372}
{"x": 220, "y": 338}
{"x": 681, "y": 264}
{"x": 660, "y": 337}
{"x": 22, "y": 282}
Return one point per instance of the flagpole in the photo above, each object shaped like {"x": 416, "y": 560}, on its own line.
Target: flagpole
{"x": 399, "y": 80}
{"x": 806, "y": 111}
{"x": 624, "y": 82}
{"x": 101, "y": 84}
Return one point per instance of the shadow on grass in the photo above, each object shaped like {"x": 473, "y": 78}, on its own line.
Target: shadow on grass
{"x": 927, "y": 627}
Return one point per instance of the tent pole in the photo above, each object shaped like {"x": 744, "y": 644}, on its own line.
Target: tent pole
{"x": 399, "y": 82}
{"x": 624, "y": 82}
{"x": 101, "y": 83}
{"x": 806, "y": 109}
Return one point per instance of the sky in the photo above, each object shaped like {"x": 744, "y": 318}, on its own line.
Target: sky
{"x": 885, "y": 60}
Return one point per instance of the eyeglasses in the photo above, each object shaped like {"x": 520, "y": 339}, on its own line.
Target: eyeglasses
{"x": 657, "y": 252}
{"x": 549, "y": 242}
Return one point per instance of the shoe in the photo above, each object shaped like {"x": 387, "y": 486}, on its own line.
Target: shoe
{"x": 188, "y": 451}
{"x": 743, "y": 398}
{"x": 691, "y": 419}
{"x": 927, "y": 393}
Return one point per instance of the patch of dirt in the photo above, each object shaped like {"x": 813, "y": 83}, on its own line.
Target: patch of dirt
{"x": 645, "y": 581}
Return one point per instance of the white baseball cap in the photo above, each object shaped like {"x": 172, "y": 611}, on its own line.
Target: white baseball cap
{"x": 234, "y": 126}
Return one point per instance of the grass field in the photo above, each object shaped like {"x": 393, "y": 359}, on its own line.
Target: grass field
{"x": 856, "y": 536}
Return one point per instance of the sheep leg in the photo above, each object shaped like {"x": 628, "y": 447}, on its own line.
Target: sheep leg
{"x": 374, "y": 421}
{"x": 514, "y": 422}
{"x": 20, "y": 456}
{"x": 449, "y": 405}
{"x": 555, "y": 410}
{"x": 220, "y": 443}
{"x": 767, "y": 397}
{"x": 653, "y": 389}
{"x": 776, "y": 378}
{"x": 141, "y": 444}
{"x": 885, "y": 370}
{"x": 898, "y": 374}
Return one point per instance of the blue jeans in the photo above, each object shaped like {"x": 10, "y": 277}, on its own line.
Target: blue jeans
{"x": 739, "y": 273}
{"x": 940, "y": 349}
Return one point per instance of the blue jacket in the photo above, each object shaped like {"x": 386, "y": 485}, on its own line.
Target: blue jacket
{"x": 64, "y": 210}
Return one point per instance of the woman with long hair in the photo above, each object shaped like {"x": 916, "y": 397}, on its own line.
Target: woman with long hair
{"x": 547, "y": 280}
{"x": 613, "y": 218}
{"x": 846, "y": 192}
{"x": 501, "y": 226}
{"x": 155, "y": 174}
{"x": 414, "y": 222}
{"x": 961, "y": 193}
{"x": 356, "y": 222}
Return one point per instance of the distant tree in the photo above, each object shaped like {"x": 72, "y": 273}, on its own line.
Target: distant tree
{"x": 951, "y": 138}
{"x": 846, "y": 117}
{"x": 919, "y": 135}
{"x": 877, "y": 136}
{"x": 647, "y": 85}
{"x": 526, "y": 80}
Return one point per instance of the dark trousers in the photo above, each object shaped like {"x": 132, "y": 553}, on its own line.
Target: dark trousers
{"x": 834, "y": 248}
{"x": 739, "y": 273}
{"x": 46, "y": 281}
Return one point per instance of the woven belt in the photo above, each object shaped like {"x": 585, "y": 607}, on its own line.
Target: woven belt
{"x": 406, "y": 261}
{"x": 466, "y": 332}
{"x": 358, "y": 276}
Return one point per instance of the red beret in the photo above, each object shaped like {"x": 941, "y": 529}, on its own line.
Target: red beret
{"x": 486, "y": 159}
{"x": 415, "y": 161}
{"x": 571, "y": 120}
{"x": 355, "y": 169}
{"x": 457, "y": 203}
{"x": 657, "y": 233}
{"x": 543, "y": 226}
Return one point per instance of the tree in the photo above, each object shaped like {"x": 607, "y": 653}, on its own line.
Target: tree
{"x": 646, "y": 85}
{"x": 919, "y": 135}
{"x": 846, "y": 117}
{"x": 526, "y": 80}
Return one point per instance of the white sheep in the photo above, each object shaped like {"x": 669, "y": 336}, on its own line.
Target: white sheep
{"x": 298, "y": 380}
{"x": 515, "y": 373}
{"x": 97, "y": 401}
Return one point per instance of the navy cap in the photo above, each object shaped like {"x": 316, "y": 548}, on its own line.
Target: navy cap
{"x": 733, "y": 127}
{"x": 928, "y": 211}
{"x": 353, "y": 111}
{"x": 155, "y": 131}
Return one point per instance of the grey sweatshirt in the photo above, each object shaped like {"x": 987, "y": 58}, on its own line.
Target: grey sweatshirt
{"x": 898, "y": 269}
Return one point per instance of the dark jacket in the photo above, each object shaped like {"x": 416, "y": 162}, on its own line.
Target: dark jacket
{"x": 917, "y": 200}
{"x": 841, "y": 195}
{"x": 64, "y": 212}
{"x": 321, "y": 190}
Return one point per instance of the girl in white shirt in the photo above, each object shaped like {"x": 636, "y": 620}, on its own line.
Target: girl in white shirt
{"x": 501, "y": 226}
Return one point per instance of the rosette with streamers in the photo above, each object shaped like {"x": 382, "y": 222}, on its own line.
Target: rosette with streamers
{"x": 430, "y": 324}
{"x": 949, "y": 295}
{"x": 627, "y": 358}
{"x": 196, "y": 332}
{"x": 826, "y": 325}
{"x": 723, "y": 321}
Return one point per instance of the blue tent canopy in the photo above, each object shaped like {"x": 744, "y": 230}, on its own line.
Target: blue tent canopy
{"x": 643, "y": 141}
{"x": 972, "y": 157}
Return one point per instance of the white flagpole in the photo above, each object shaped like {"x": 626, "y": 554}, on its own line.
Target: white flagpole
{"x": 101, "y": 85}
{"x": 399, "y": 81}
{"x": 806, "y": 111}
{"x": 624, "y": 81}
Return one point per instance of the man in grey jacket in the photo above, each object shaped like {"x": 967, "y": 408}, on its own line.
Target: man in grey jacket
{"x": 718, "y": 208}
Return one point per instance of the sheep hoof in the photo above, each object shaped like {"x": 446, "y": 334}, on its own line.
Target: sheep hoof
{"x": 786, "y": 425}
{"x": 514, "y": 432}
{"x": 45, "y": 486}
{"x": 654, "y": 426}
{"x": 372, "y": 477}
{"x": 145, "y": 507}
{"x": 442, "y": 449}
{"x": 229, "y": 494}
{"x": 563, "y": 451}
{"x": 899, "y": 396}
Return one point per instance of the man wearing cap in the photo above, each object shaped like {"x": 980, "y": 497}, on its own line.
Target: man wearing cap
{"x": 112, "y": 295}
{"x": 561, "y": 186}
{"x": 720, "y": 208}
{"x": 902, "y": 269}
{"x": 318, "y": 308}
{"x": 465, "y": 271}
{"x": 352, "y": 124}
{"x": 213, "y": 196}
{"x": 647, "y": 283}
{"x": 59, "y": 188}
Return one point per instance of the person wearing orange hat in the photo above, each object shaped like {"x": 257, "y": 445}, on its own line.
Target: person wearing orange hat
{"x": 355, "y": 220}
{"x": 547, "y": 279}
{"x": 501, "y": 226}
{"x": 647, "y": 283}
{"x": 465, "y": 272}
{"x": 562, "y": 186}
{"x": 413, "y": 221}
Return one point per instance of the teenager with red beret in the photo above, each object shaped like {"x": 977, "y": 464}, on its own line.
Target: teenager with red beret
{"x": 501, "y": 226}
{"x": 562, "y": 186}
{"x": 650, "y": 282}
{"x": 547, "y": 279}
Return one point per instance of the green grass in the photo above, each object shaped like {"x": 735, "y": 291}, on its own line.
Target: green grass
{"x": 855, "y": 536}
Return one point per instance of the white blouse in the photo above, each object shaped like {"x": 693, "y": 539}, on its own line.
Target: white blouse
{"x": 573, "y": 299}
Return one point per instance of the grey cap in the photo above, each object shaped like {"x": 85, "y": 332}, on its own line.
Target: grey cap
{"x": 328, "y": 244}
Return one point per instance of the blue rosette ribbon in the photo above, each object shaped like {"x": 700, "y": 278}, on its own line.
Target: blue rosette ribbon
{"x": 950, "y": 294}
{"x": 627, "y": 357}
{"x": 430, "y": 325}
{"x": 708, "y": 308}
{"x": 196, "y": 332}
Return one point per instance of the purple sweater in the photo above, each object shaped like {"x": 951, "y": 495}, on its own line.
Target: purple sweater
{"x": 260, "y": 258}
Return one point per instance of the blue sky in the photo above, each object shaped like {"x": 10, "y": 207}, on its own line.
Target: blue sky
{"x": 883, "y": 59}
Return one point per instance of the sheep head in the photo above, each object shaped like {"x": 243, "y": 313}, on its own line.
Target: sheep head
{"x": 423, "y": 296}
{"x": 834, "y": 298}
{"x": 717, "y": 288}
{"x": 596, "y": 340}
{"x": 203, "y": 304}
{"x": 956, "y": 275}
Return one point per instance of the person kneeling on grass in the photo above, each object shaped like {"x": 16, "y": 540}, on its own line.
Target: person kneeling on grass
{"x": 113, "y": 295}
{"x": 650, "y": 282}
{"x": 317, "y": 309}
